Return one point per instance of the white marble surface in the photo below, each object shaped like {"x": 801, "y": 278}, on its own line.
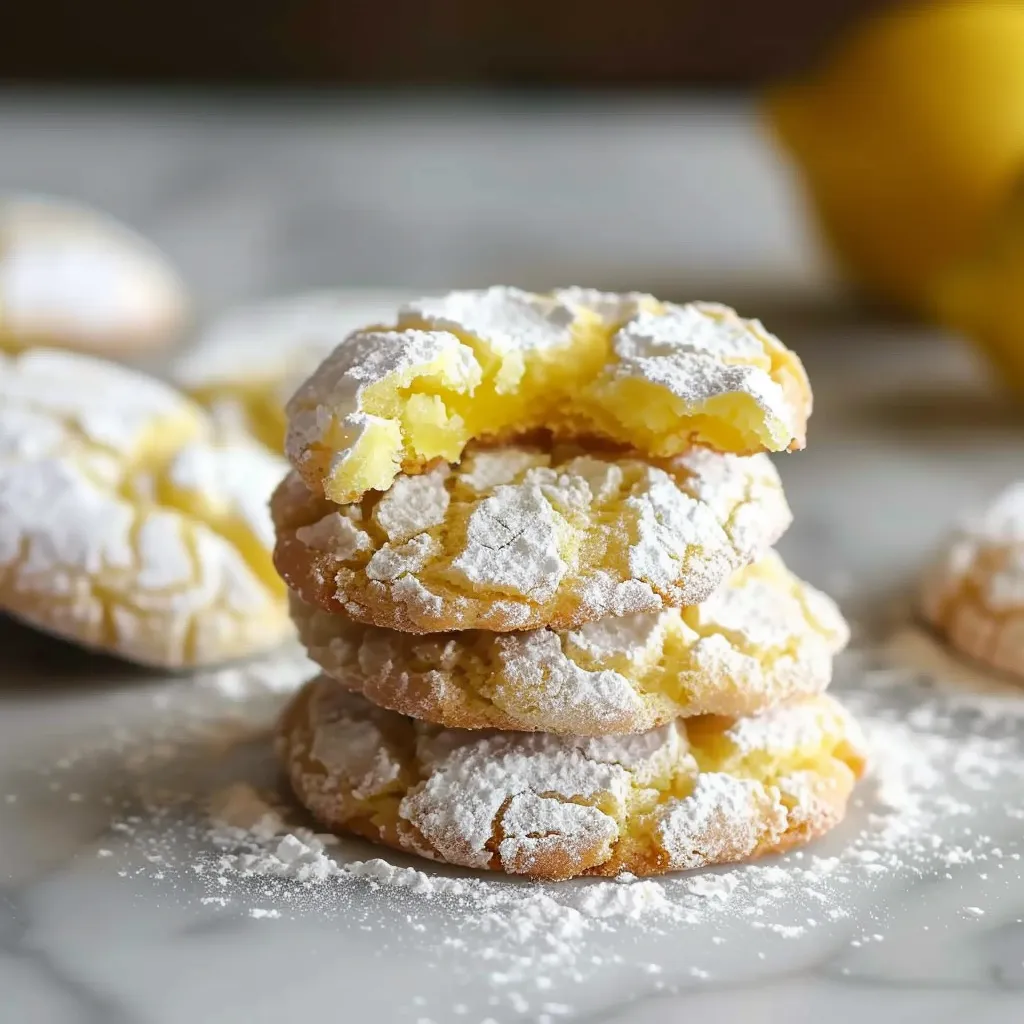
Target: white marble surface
{"x": 102, "y": 916}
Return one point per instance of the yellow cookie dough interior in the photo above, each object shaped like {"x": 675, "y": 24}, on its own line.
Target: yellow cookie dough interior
{"x": 570, "y": 391}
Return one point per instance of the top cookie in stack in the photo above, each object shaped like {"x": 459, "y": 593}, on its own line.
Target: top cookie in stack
{"x": 554, "y": 513}
{"x": 496, "y": 365}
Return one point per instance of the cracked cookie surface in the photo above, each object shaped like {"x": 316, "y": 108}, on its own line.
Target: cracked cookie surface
{"x": 973, "y": 594}
{"x": 500, "y": 363}
{"x": 123, "y": 525}
{"x": 762, "y": 638}
{"x": 691, "y": 793}
{"x": 518, "y": 537}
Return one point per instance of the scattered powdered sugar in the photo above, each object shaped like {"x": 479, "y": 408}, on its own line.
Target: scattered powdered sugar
{"x": 631, "y": 898}
{"x": 913, "y": 754}
{"x": 200, "y": 815}
{"x": 905, "y": 823}
{"x": 262, "y": 844}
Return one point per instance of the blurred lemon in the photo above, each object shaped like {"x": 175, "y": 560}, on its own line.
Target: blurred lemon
{"x": 909, "y": 136}
{"x": 983, "y": 293}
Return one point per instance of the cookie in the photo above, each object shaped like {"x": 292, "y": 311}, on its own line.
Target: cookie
{"x": 691, "y": 793}
{"x": 763, "y": 638}
{"x": 501, "y": 363}
{"x": 72, "y": 278}
{"x": 519, "y": 537}
{"x": 973, "y": 595}
{"x": 247, "y": 364}
{"x": 123, "y": 526}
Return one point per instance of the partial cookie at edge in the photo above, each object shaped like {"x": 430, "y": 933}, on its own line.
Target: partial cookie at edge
{"x": 973, "y": 594}
{"x": 123, "y": 526}
{"x": 73, "y": 278}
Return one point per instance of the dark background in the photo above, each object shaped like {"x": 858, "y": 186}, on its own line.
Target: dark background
{"x": 731, "y": 43}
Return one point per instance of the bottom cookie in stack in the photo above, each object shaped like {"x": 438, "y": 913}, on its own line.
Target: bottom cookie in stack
{"x": 691, "y": 793}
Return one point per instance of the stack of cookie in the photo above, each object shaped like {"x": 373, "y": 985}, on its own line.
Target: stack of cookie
{"x": 528, "y": 540}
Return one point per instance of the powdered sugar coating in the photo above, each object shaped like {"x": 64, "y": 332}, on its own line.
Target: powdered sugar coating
{"x": 512, "y": 544}
{"x": 327, "y": 421}
{"x": 335, "y": 535}
{"x": 788, "y": 727}
{"x": 414, "y": 504}
{"x": 974, "y": 592}
{"x": 673, "y": 798}
{"x": 559, "y": 537}
{"x": 72, "y": 278}
{"x": 485, "y": 469}
{"x": 122, "y": 526}
{"x": 501, "y": 362}
{"x": 722, "y": 813}
{"x": 763, "y": 638}
{"x": 613, "y": 308}
{"x": 509, "y": 318}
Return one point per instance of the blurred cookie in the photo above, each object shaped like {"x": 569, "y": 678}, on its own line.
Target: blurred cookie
{"x": 123, "y": 526}
{"x": 501, "y": 363}
{"x": 691, "y": 793}
{"x": 245, "y": 366}
{"x": 762, "y": 638}
{"x": 974, "y": 593}
{"x": 73, "y": 278}
{"x": 520, "y": 537}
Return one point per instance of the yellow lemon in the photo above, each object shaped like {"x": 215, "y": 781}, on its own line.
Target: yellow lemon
{"x": 908, "y": 136}
{"x": 982, "y": 294}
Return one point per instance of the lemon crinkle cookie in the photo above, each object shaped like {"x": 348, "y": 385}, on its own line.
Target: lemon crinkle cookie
{"x": 763, "y": 638}
{"x": 498, "y": 363}
{"x": 73, "y": 278}
{"x": 691, "y": 793}
{"x": 517, "y": 537}
{"x": 123, "y": 526}
{"x": 246, "y": 365}
{"x": 974, "y": 592}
